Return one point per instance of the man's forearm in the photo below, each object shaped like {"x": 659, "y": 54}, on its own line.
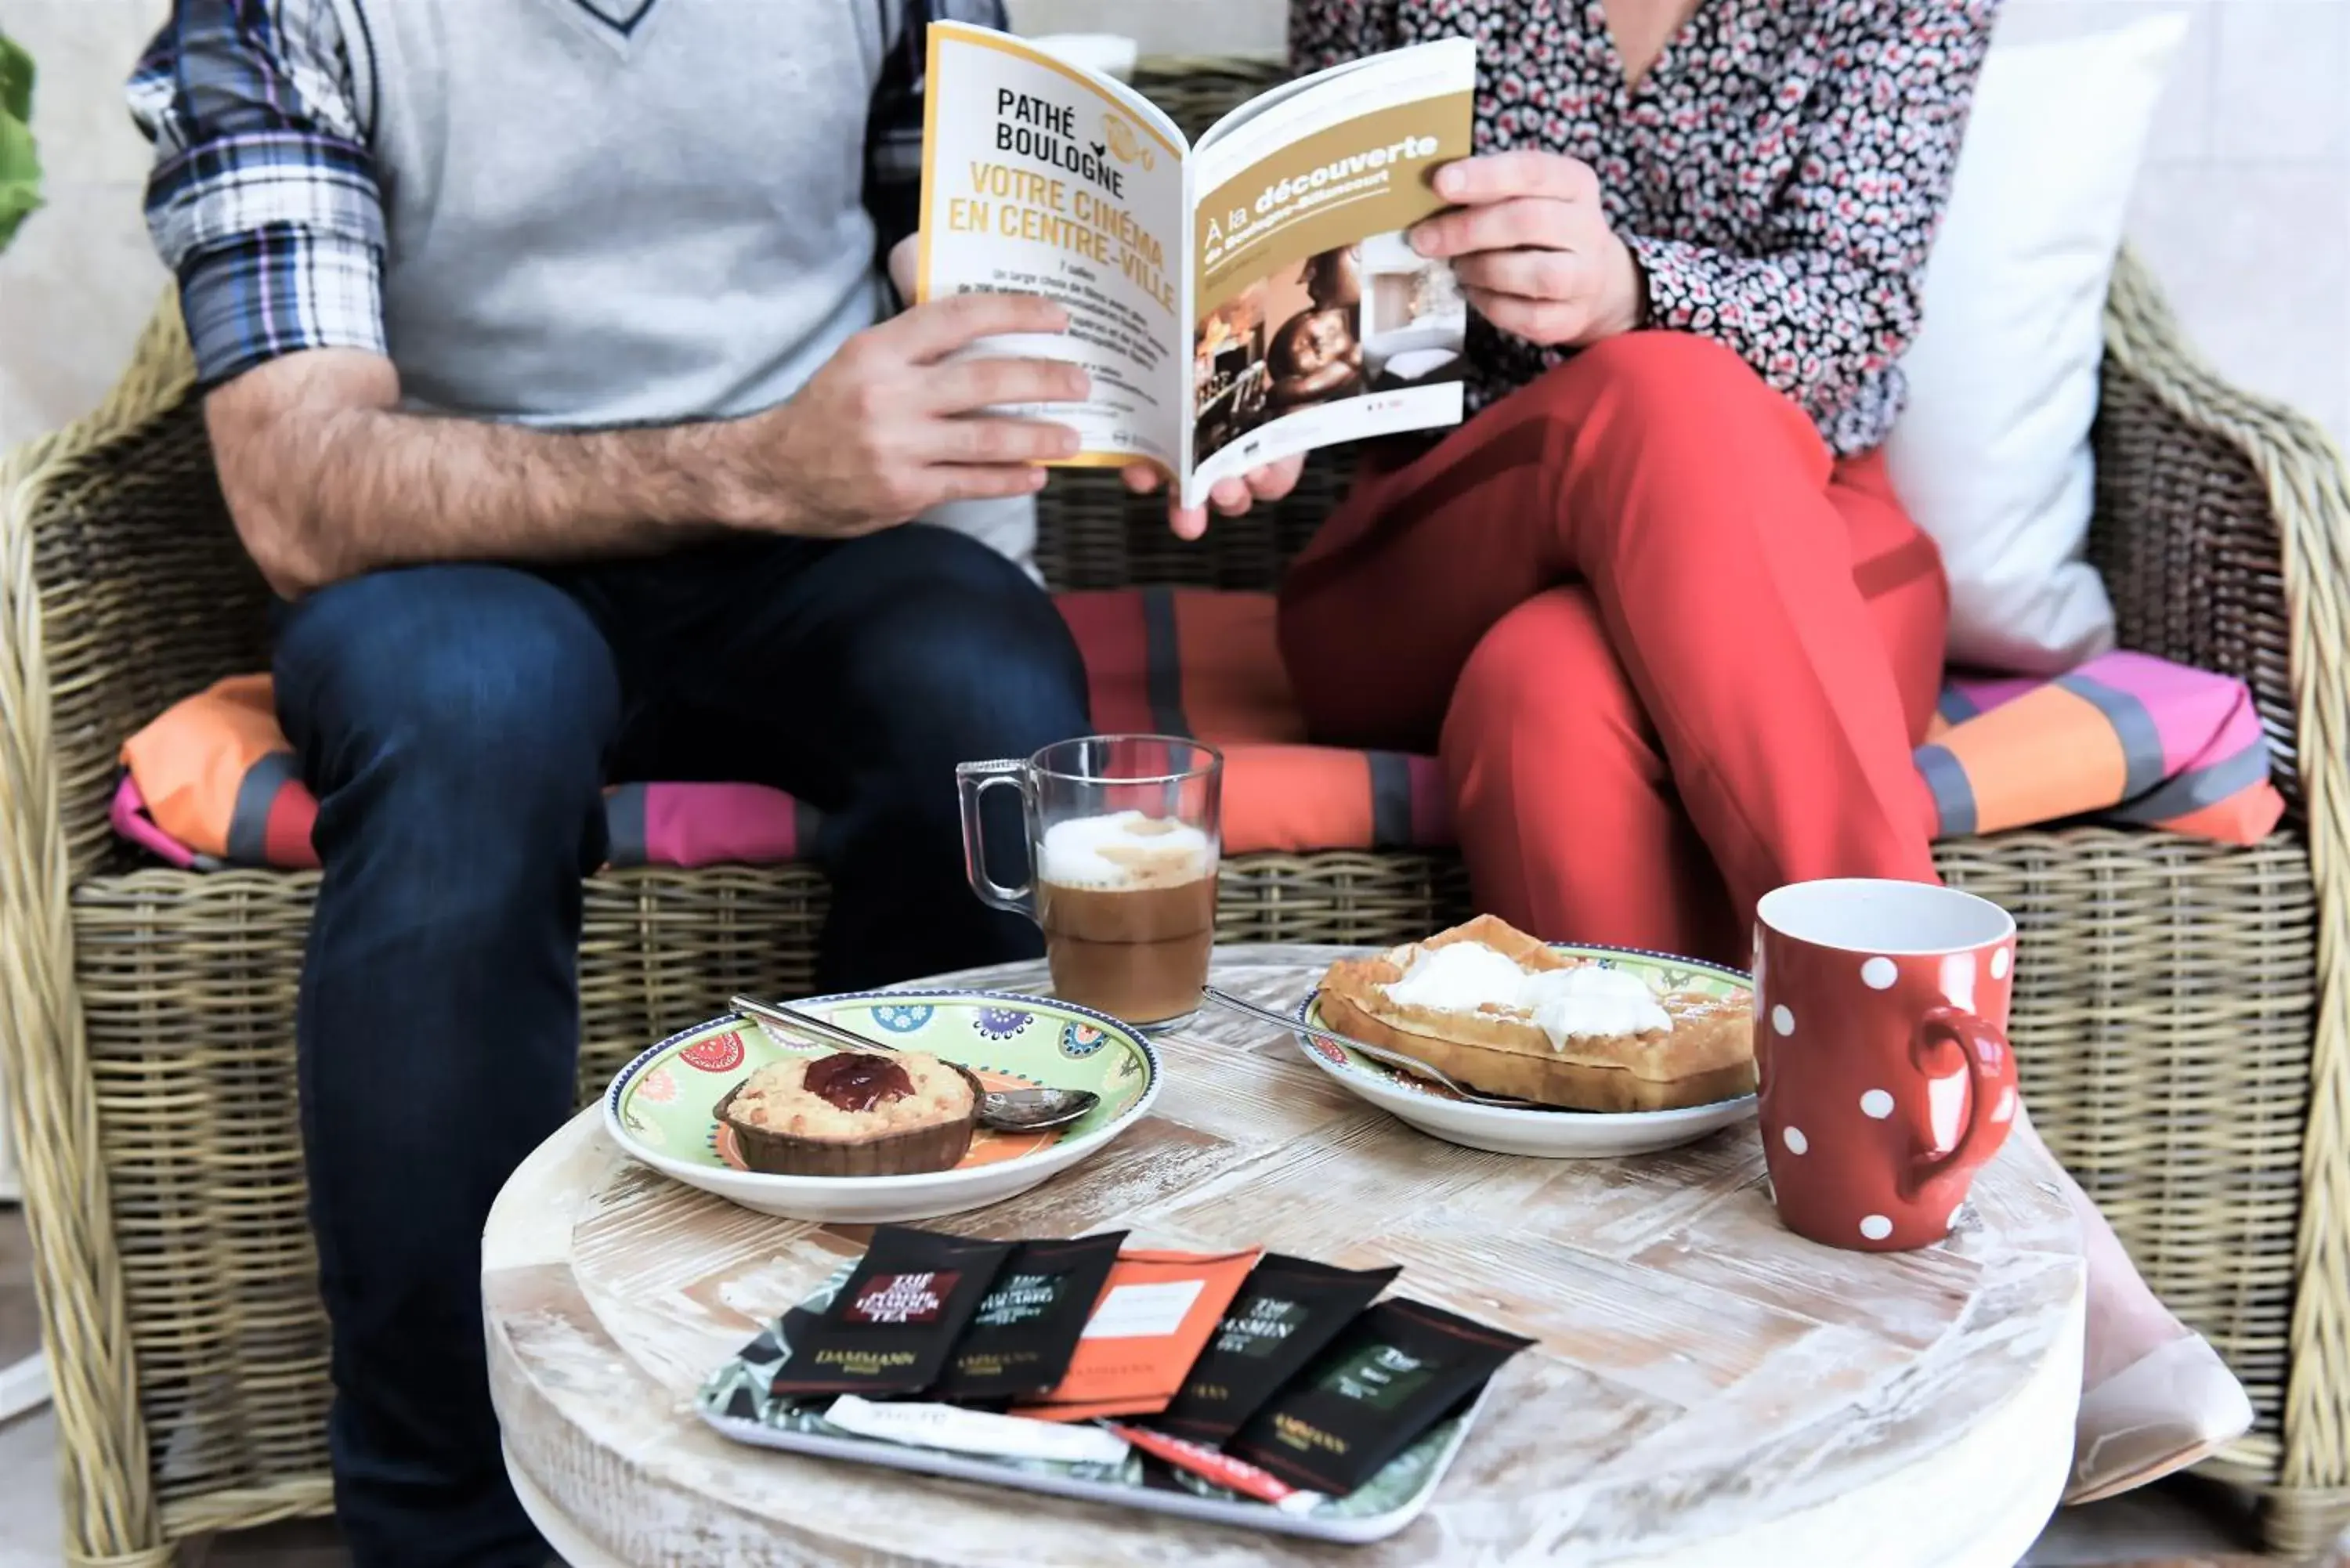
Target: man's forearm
{"x": 350, "y": 489}
{"x": 327, "y": 478}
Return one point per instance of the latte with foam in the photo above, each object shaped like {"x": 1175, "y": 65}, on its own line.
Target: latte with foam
{"x": 1127, "y": 902}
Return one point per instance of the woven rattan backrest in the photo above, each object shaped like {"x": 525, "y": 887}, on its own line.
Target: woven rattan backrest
{"x": 1091, "y": 533}
{"x": 2184, "y": 534}
{"x": 145, "y": 597}
{"x": 2187, "y": 532}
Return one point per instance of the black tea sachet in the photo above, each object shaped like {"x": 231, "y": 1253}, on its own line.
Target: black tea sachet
{"x": 891, "y": 1328}
{"x": 1289, "y": 1308}
{"x": 1396, "y": 1371}
{"x": 1026, "y": 1328}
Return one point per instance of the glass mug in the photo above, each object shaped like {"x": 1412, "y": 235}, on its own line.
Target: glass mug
{"x": 1123, "y": 836}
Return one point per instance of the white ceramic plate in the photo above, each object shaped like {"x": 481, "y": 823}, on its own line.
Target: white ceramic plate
{"x": 1545, "y": 1134}
{"x": 659, "y": 1107}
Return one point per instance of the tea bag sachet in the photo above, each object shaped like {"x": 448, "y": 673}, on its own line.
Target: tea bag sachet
{"x": 1285, "y": 1312}
{"x": 1021, "y": 1339}
{"x": 891, "y": 1328}
{"x": 1396, "y": 1370}
{"x": 1145, "y": 1333}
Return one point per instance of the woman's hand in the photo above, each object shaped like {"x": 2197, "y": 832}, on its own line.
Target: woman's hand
{"x": 1532, "y": 247}
{"x": 1231, "y": 497}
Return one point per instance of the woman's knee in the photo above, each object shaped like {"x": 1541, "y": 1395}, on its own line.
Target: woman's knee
{"x": 1667, "y": 382}
{"x": 1654, "y": 364}
{"x": 1544, "y": 674}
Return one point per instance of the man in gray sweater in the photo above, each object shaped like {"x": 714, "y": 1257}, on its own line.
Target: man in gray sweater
{"x": 554, "y": 387}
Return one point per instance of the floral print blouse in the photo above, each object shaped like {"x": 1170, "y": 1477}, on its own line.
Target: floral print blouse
{"x": 1778, "y": 172}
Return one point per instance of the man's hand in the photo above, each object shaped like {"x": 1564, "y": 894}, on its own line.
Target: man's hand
{"x": 1532, "y": 248}
{"x": 1231, "y": 497}
{"x": 888, "y": 428}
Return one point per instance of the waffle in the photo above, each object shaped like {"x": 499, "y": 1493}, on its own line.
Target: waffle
{"x": 1708, "y": 1055}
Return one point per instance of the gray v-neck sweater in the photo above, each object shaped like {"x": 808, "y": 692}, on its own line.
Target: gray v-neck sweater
{"x": 626, "y": 211}
{"x": 607, "y": 212}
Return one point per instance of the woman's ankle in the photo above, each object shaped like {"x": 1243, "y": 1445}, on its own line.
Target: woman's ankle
{"x": 2126, "y": 1321}
{"x": 2123, "y": 1333}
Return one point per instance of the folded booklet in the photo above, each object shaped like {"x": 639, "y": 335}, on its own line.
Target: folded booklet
{"x": 1273, "y": 248}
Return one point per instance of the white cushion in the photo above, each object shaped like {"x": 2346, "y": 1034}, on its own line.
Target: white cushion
{"x": 1991, "y": 455}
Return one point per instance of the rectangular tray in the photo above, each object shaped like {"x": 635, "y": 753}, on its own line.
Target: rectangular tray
{"x": 1249, "y": 1514}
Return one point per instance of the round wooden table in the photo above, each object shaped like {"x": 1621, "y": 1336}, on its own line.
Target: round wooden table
{"x": 1707, "y": 1388}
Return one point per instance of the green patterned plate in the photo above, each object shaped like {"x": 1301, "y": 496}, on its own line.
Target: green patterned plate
{"x": 660, "y": 1107}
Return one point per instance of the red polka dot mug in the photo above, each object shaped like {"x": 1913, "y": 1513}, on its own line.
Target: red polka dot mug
{"x": 1880, "y": 1016}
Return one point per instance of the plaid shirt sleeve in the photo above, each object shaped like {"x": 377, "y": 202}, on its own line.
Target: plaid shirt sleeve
{"x": 263, "y": 199}
{"x": 893, "y": 145}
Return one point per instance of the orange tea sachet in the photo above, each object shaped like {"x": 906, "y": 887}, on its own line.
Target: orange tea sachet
{"x": 1153, "y": 1319}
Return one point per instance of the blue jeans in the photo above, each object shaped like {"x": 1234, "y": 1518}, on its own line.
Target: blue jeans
{"x": 457, "y": 725}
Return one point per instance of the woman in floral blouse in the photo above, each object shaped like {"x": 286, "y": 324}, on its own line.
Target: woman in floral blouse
{"x": 1657, "y": 605}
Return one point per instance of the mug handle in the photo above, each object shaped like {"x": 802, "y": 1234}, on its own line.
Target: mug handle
{"x": 1990, "y": 1064}
{"x": 973, "y": 781}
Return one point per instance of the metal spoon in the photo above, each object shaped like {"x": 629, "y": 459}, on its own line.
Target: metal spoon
{"x": 1411, "y": 1064}
{"x": 1005, "y": 1110}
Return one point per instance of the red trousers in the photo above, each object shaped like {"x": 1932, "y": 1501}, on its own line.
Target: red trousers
{"x": 1672, "y": 652}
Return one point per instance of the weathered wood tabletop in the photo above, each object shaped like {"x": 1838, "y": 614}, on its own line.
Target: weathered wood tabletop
{"x": 1707, "y": 1388}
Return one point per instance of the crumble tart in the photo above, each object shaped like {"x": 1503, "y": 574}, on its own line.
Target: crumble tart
{"x": 853, "y": 1113}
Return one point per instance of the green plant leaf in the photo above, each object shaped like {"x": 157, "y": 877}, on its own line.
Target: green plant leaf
{"x": 20, "y": 163}
{"x": 15, "y": 81}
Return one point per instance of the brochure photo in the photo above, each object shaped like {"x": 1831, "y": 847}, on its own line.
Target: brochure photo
{"x": 1236, "y": 302}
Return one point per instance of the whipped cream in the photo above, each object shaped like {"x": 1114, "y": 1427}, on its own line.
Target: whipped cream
{"x": 1460, "y": 977}
{"x": 1584, "y": 1002}
{"x": 1588, "y": 1001}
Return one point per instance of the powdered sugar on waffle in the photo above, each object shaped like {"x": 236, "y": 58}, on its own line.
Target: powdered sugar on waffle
{"x": 1579, "y": 1003}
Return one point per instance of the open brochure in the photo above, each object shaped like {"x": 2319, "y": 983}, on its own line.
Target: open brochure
{"x": 1236, "y": 301}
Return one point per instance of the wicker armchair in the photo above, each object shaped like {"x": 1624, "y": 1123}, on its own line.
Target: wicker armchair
{"x": 2180, "y": 1007}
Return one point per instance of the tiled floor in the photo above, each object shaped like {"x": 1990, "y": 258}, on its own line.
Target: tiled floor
{"x": 2187, "y": 1525}
{"x": 28, "y": 1493}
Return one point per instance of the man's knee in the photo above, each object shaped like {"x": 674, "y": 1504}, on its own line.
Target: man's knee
{"x": 437, "y": 702}
{"x": 967, "y": 656}
{"x": 481, "y": 670}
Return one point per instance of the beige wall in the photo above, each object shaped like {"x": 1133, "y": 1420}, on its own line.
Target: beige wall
{"x": 80, "y": 277}
{"x": 2243, "y": 208}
